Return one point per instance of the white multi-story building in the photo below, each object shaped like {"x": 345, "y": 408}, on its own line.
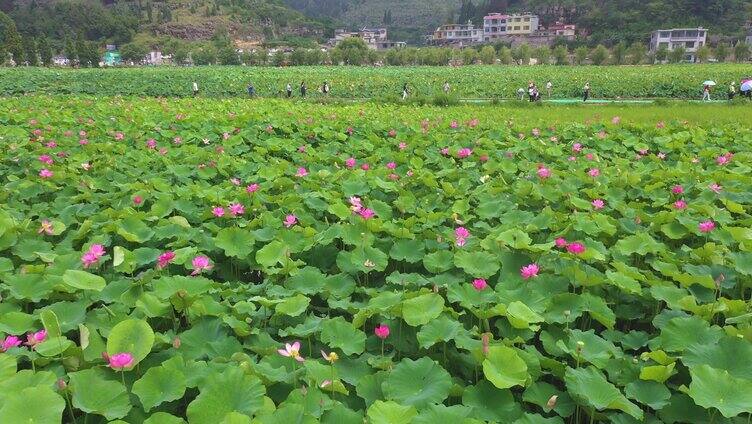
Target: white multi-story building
{"x": 375, "y": 38}
{"x": 458, "y": 34}
{"x": 690, "y": 39}
{"x": 498, "y": 25}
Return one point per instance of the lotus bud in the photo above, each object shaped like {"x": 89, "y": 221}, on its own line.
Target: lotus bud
{"x": 182, "y": 293}
{"x": 176, "y": 342}
{"x": 368, "y": 263}
{"x": 720, "y": 279}
{"x": 567, "y": 313}
{"x": 485, "y": 339}
{"x": 435, "y": 288}
{"x": 245, "y": 366}
{"x": 580, "y": 345}
{"x": 61, "y": 384}
{"x": 551, "y": 404}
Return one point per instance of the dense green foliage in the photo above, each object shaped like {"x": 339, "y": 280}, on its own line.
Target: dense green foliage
{"x": 107, "y": 203}
{"x": 670, "y": 81}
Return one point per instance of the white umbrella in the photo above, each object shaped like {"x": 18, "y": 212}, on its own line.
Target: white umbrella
{"x": 710, "y": 83}
{"x": 746, "y": 85}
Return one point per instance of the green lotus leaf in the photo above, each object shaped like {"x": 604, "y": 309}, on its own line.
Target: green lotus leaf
{"x": 134, "y": 230}
{"x": 235, "y": 242}
{"x": 437, "y": 262}
{"x": 491, "y": 404}
{"x": 340, "y": 334}
{"x": 589, "y": 386}
{"x": 477, "y": 264}
{"x": 390, "y": 413}
{"x": 83, "y": 280}
{"x": 159, "y": 385}
{"x": 223, "y": 393}
{"x": 504, "y": 368}
{"x": 422, "y": 309}
{"x": 95, "y": 392}
{"x": 132, "y": 336}
{"x": 417, "y": 383}
{"x": 713, "y": 388}
{"x": 437, "y": 330}
{"x": 411, "y": 251}
{"x": 35, "y": 405}
{"x": 163, "y": 418}
{"x": 650, "y": 393}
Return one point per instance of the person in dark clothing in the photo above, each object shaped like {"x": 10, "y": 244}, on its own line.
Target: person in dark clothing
{"x": 405, "y": 91}
{"x": 303, "y": 89}
{"x": 251, "y": 90}
{"x": 586, "y": 92}
{"x": 289, "y": 90}
{"x": 325, "y": 88}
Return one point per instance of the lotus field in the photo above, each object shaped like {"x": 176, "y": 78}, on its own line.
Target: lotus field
{"x": 353, "y": 82}
{"x": 211, "y": 261}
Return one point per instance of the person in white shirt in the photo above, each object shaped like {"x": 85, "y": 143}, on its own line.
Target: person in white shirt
{"x": 549, "y": 88}
{"x": 195, "y": 89}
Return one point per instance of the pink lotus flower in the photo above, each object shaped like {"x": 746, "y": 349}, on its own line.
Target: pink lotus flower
{"x": 392, "y": 133}
{"x": 715, "y": 187}
{"x": 97, "y": 249}
{"x": 137, "y": 200}
{"x": 163, "y": 151}
{"x": 483, "y": 158}
{"x": 529, "y": 271}
{"x": 402, "y": 146}
{"x": 355, "y": 204}
{"x": 302, "y": 172}
{"x": 252, "y": 188}
{"x": 461, "y": 234}
{"x": 480, "y": 284}
{"x": 177, "y": 140}
{"x": 291, "y": 351}
{"x": 409, "y": 173}
{"x": 660, "y": 125}
{"x": 119, "y": 136}
{"x": 235, "y": 181}
{"x": 543, "y": 172}
{"x": 366, "y": 213}
{"x": 165, "y": 259}
{"x": 445, "y": 151}
{"x": 46, "y": 228}
{"x": 706, "y": 226}
{"x": 677, "y": 189}
{"x": 200, "y": 264}
{"x": 473, "y": 123}
{"x": 82, "y": 133}
{"x": 454, "y": 124}
{"x": 572, "y": 158}
{"x": 680, "y": 204}
{"x": 589, "y": 156}
{"x": 536, "y": 132}
{"x": 661, "y": 155}
{"x": 83, "y": 141}
{"x": 576, "y": 248}
{"x": 37, "y": 132}
{"x": 594, "y": 172}
{"x": 151, "y": 143}
{"x": 560, "y": 242}
{"x": 382, "y": 331}
{"x": 464, "y": 152}
{"x": 723, "y": 160}
{"x": 616, "y": 120}
{"x": 350, "y": 163}
{"x": 51, "y": 144}
{"x": 598, "y": 204}
{"x": 10, "y": 342}
{"x": 290, "y": 220}
{"x": 45, "y": 173}
{"x": 120, "y": 361}
{"x": 218, "y": 211}
{"x": 365, "y": 167}
{"x": 236, "y": 209}
{"x": 577, "y": 147}
{"x": 349, "y": 130}
{"x": 393, "y": 176}
{"x": 46, "y": 159}
{"x": 391, "y": 165}
{"x": 33, "y": 339}
{"x": 86, "y": 166}
{"x": 301, "y": 149}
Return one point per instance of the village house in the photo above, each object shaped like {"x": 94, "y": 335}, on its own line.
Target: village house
{"x": 457, "y": 34}
{"x": 375, "y": 38}
{"x": 690, "y": 39}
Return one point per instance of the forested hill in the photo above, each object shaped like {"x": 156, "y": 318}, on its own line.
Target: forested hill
{"x": 607, "y": 21}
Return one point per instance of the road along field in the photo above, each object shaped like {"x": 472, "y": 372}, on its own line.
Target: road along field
{"x": 474, "y": 82}
{"x": 224, "y": 260}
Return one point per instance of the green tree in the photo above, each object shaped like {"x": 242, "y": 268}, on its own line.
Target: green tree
{"x": 522, "y": 54}
{"x": 206, "y": 55}
{"x": 133, "y": 52}
{"x": 469, "y": 56}
{"x": 351, "y": 51}
{"x": 741, "y": 52}
{"x": 661, "y": 54}
{"x": 505, "y": 55}
{"x": 228, "y": 56}
{"x": 722, "y": 52}
{"x": 561, "y": 55}
{"x": 543, "y": 55}
{"x": 636, "y": 53}
{"x": 180, "y": 55}
{"x": 599, "y": 55}
{"x": 45, "y": 51}
{"x": 677, "y": 55}
{"x": 488, "y": 55}
{"x": 619, "y": 53}
{"x": 703, "y": 54}
{"x": 30, "y": 51}
{"x": 13, "y": 44}
{"x": 580, "y": 55}
{"x": 88, "y": 54}
{"x": 279, "y": 58}
{"x": 260, "y": 57}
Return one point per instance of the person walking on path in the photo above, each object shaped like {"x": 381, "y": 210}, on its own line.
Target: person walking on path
{"x": 289, "y": 90}
{"x": 586, "y": 92}
{"x": 706, "y": 93}
{"x": 303, "y": 89}
{"x": 446, "y": 87}
{"x": 195, "y": 89}
{"x": 549, "y": 88}
{"x": 530, "y": 90}
{"x": 732, "y": 91}
{"x": 325, "y": 88}
{"x": 405, "y": 92}
{"x": 251, "y": 90}
{"x": 521, "y": 93}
